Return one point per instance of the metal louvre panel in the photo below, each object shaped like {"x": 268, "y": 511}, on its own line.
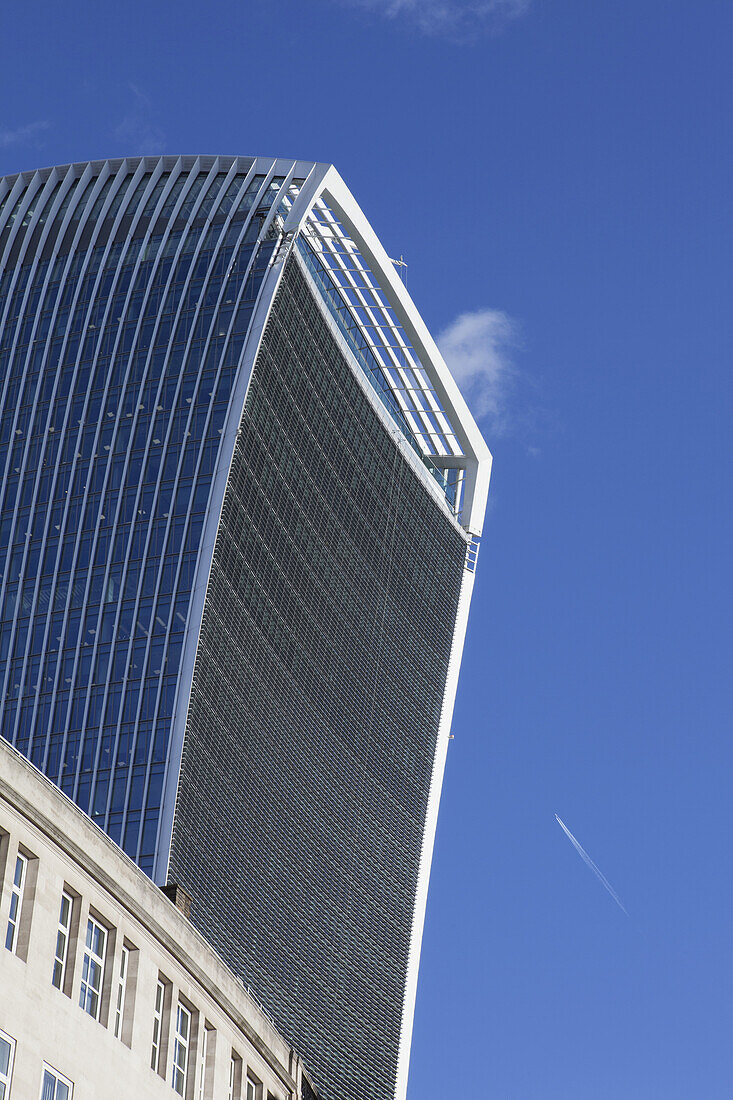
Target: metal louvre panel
{"x": 314, "y": 711}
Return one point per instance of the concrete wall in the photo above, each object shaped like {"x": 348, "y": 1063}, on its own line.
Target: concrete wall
{"x": 68, "y": 852}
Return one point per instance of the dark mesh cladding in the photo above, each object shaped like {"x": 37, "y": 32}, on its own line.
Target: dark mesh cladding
{"x": 315, "y": 704}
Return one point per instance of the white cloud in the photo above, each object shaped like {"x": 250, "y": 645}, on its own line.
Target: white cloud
{"x": 476, "y": 347}
{"x": 21, "y": 135}
{"x": 137, "y": 130}
{"x": 458, "y": 19}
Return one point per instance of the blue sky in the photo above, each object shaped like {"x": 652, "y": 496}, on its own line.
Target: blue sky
{"x": 560, "y": 171}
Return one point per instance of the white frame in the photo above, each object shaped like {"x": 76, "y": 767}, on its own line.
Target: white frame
{"x": 158, "y": 1013}
{"x": 181, "y": 1050}
{"x": 59, "y": 1079}
{"x": 15, "y": 912}
{"x": 203, "y": 1052}
{"x": 121, "y": 987}
{"x": 93, "y": 959}
{"x": 236, "y": 1071}
{"x": 63, "y": 936}
{"x": 6, "y": 1079}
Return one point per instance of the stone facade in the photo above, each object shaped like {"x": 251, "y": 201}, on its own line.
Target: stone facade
{"x": 221, "y": 1046}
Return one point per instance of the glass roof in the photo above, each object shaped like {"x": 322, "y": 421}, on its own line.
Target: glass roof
{"x": 404, "y": 385}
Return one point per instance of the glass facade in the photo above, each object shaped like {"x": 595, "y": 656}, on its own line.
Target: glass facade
{"x": 123, "y": 322}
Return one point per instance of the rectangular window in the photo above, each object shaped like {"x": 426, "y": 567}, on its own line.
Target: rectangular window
{"x": 54, "y": 1086}
{"x": 121, "y": 992}
{"x": 4, "y": 838}
{"x": 156, "y": 1054}
{"x": 205, "y": 1046}
{"x": 180, "y": 1049}
{"x": 16, "y": 902}
{"x": 63, "y": 933}
{"x": 253, "y": 1088}
{"x": 92, "y": 975}
{"x": 7, "y": 1054}
{"x": 235, "y": 1077}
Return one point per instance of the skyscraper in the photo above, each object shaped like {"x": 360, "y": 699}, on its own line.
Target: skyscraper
{"x": 241, "y": 502}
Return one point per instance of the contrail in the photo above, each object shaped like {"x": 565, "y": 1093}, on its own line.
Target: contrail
{"x": 586, "y": 859}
